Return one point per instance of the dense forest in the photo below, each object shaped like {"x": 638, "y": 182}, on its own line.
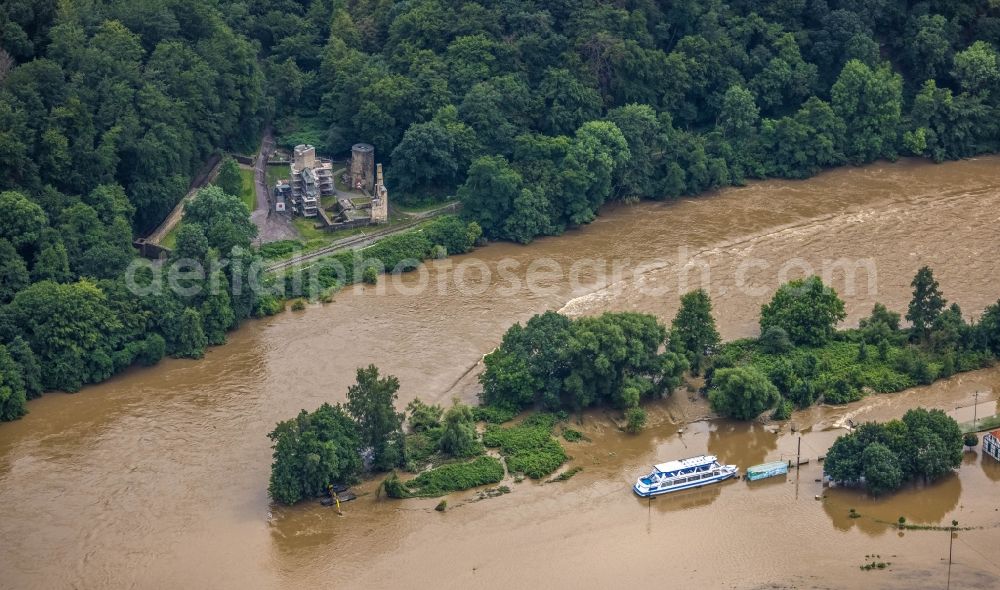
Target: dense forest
{"x": 533, "y": 114}
{"x": 107, "y": 109}
{"x": 538, "y": 113}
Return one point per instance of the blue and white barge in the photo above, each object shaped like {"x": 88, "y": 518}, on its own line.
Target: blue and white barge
{"x": 684, "y": 474}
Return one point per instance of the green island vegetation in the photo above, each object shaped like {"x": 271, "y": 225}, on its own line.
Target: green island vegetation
{"x": 800, "y": 358}
{"x": 447, "y": 478}
{"x": 619, "y": 359}
{"x": 562, "y": 364}
{"x": 533, "y": 115}
{"x": 924, "y": 444}
{"x": 336, "y": 444}
{"x": 529, "y": 447}
{"x": 557, "y": 364}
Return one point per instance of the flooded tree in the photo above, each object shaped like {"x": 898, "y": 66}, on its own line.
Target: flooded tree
{"x": 371, "y": 403}
{"x": 693, "y": 329}
{"x": 458, "y": 434}
{"x": 924, "y": 444}
{"x": 742, "y": 392}
{"x": 312, "y": 451}
{"x": 615, "y": 359}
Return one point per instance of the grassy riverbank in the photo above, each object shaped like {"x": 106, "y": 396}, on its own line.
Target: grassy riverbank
{"x": 443, "y": 236}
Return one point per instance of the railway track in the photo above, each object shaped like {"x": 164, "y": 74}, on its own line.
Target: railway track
{"x": 360, "y": 241}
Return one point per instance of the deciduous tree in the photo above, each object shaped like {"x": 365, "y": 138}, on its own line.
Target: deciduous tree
{"x": 806, "y": 309}
{"x": 926, "y": 303}
{"x": 229, "y": 179}
{"x": 371, "y": 403}
{"x": 741, "y": 392}
{"x": 693, "y": 328}
{"x": 311, "y": 452}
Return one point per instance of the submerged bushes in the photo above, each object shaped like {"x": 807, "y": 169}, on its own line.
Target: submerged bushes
{"x": 528, "y": 448}
{"x": 452, "y": 477}
{"x": 445, "y": 434}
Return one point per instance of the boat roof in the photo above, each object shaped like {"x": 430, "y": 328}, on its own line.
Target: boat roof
{"x": 996, "y": 434}
{"x": 767, "y": 466}
{"x": 684, "y": 463}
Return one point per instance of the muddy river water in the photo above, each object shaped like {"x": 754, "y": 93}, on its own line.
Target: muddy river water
{"x": 157, "y": 478}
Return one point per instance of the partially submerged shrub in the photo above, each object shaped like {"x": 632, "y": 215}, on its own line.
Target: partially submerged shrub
{"x": 565, "y": 475}
{"x": 635, "y": 419}
{"x": 268, "y": 305}
{"x": 783, "y": 411}
{"x": 493, "y": 414}
{"x": 455, "y": 477}
{"x": 394, "y": 487}
{"x": 529, "y": 447}
{"x": 458, "y": 432}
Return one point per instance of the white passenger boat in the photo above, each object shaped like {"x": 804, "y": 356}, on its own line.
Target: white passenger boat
{"x": 684, "y": 474}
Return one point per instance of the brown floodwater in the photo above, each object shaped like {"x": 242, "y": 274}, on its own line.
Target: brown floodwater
{"x": 157, "y": 478}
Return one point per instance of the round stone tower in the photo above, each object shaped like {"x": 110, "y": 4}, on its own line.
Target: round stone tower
{"x": 363, "y": 167}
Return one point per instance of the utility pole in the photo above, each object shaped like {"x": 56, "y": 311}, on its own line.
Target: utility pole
{"x": 951, "y": 542}
{"x": 975, "y": 411}
{"x": 798, "y": 459}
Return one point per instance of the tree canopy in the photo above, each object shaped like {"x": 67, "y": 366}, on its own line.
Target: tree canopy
{"x": 741, "y": 392}
{"x": 924, "y": 444}
{"x": 492, "y": 99}
{"x": 806, "y": 309}
{"x": 693, "y": 329}
{"x": 312, "y": 451}
{"x": 615, "y": 359}
{"x": 371, "y": 403}
{"x": 107, "y": 110}
{"x": 926, "y": 304}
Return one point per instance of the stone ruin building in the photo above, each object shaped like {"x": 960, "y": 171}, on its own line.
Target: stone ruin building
{"x": 380, "y": 200}
{"x": 311, "y": 179}
{"x": 363, "y": 167}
